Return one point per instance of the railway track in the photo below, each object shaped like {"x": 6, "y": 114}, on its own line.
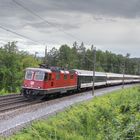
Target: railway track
{"x": 9, "y": 96}
{"x": 15, "y": 101}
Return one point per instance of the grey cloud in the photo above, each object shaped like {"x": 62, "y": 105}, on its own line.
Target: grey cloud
{"x": 89, "y": 20}
{"x": 43, "y": 25}
{"x": 118, "y": 8}
{"x": 16, "y": 17}
{"x": 104, "y": 19}
{"x": 64, "y": 9}
{"x": 50, "y": 8}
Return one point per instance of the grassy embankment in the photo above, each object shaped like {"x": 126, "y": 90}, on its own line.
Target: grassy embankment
{"x": 5, "y": 92}
{"x": 110, "y": 117}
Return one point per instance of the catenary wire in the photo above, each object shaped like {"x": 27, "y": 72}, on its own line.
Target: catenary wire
{"x": 23, "y": 36}
{"x": 46, "y": 21}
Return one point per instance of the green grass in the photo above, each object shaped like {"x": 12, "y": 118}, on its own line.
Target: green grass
{"x": 6, "y": 92}
{"x": 110, "y": 117}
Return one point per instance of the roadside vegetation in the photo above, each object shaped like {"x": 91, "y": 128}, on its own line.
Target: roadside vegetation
{"x": 12, "y": 65}
{"x": 111, "y": 117}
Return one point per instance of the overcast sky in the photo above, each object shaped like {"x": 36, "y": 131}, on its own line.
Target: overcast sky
{"x": 112, "y": 25}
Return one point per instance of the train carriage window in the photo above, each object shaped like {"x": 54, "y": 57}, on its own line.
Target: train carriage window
{"x": 29, "y": 75}
{"x": 100, "y": 79}
{"x": 46, "y": 77}
{"x": 39, "y": 76}
{"x": 57, "y": 76}
{"x": 50, "y": 77}
{"x": 71, "y": 76}
{"x": 65, "y": 76}
{"x": 115, "y": 78}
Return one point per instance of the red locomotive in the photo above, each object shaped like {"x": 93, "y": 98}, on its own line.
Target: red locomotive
{"x": 42, "y": 81}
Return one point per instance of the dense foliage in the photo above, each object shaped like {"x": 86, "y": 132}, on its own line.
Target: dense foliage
{"x": 112, "y": 117}
{"x": 12, "y": 65}
{"x": 79, "y": 57}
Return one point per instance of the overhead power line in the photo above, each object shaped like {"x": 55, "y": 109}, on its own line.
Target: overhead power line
{"x": 23, "y": 36}
{"x": 46, "y": 21}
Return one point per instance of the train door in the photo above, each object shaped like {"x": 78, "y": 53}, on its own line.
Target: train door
{"x": 65, "y": 79}
{"x": 58, "y": 81}
{"x": 52, "y": 80}
{"x": 48, "y": 80}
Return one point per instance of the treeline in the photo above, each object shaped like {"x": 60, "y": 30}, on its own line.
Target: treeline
{"x": 12, "y": 65}
{"x": 13, "y": 62}
{"x": 79, "y": 57}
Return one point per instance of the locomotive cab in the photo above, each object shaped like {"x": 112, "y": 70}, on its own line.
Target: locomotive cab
{"x": 35, "y": 82}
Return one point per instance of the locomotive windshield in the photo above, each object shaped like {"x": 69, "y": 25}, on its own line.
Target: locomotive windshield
{"x": 39, "y": 76}
{"x": 29, "y": 75}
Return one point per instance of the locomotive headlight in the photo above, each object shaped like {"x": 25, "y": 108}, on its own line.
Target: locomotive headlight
{"x": 32, "y": 83}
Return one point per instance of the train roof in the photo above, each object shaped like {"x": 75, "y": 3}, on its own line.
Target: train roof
{"x": 39, "y": 69}
{"x": 88, "y": 73}
{"x": 121, "y": 75}
{"x": 47, "y": 70}
{"x": 134, "y": 76}
{"x": 83, "y": 72}
{"x": 114, "y": 75}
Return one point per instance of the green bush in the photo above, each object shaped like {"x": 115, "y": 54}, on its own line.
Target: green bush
{"x": 111, "y": 117}
{"x": 3, "y": 92}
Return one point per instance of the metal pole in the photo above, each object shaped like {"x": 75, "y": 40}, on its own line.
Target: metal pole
{"x": 123, "y": 75}
{"x": 46, "y": 54}
{"x": 124, "y": 69}
{"x": 35, "y": 55}
{"x": 94, "y": 66}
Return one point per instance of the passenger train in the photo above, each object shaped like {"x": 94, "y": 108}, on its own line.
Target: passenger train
{"x": 42, "y": 81}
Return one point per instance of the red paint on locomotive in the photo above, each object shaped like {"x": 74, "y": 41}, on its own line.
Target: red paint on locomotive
{"x": 49, "y": 80}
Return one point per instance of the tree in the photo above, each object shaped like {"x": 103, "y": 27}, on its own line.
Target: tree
{"x": 12, "y": 65}
{"x": 53, "y": 57}
{"x": 81, "y": 58}
{"x": 64, "y": 56}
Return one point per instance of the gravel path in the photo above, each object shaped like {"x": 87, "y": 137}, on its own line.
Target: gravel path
{"x": 12, "y": 123}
